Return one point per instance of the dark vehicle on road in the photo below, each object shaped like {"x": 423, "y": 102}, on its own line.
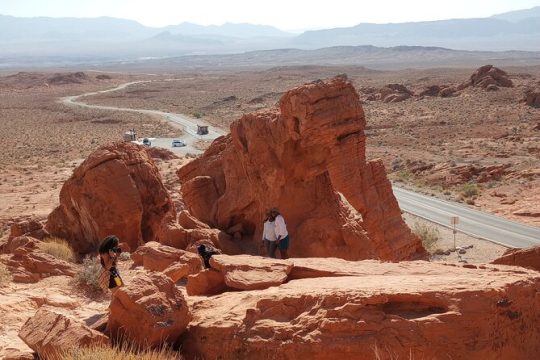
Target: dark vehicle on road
{"x": 147, "y": 142}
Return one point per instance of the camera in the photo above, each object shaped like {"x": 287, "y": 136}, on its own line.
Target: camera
{"x": 116, "y": 250}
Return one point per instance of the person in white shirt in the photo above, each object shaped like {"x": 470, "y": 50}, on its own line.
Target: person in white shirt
{"x": 269, "y": 236}
{"x": 282, "y": 236}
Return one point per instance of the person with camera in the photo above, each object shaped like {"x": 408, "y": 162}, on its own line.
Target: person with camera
{"x": 109, "y": 278}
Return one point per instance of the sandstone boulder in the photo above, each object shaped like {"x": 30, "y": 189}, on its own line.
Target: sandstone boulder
{"x": 50, "y": 334}
{"x": 149, "y": 311}
{"x": 174, "y": 263}
{"x": 246, "y": 272}
{"x": 116, "y": 190}
{"x": 389, "y": 93}
{"x": 380, "y": 310}
{"x": 207, "y": 282}
{"x": 309, "y": 160}
{"x": 527, "y": 258}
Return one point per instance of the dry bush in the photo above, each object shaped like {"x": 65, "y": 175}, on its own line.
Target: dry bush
{"x": 119, "y": 353}
{"x": 59, "y": 248}
{"x": 88, "y": 275}
{"x": 469, "y": 190}
{"x": 5, "y": 275}
{"x": 428, "y": 234}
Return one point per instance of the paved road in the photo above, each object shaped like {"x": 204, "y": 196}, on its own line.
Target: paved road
{"x": 472, "y": 222}
{"x": 186, "y": 123}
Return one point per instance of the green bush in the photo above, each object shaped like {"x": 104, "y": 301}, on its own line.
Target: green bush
{"x": 88, "y": 275}
{"x": 469, "y": 190}
{"x": 428, "y": 234}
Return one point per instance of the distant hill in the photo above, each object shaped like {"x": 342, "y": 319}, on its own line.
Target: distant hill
{"x": 45, "y": 41}
{"x": 466, "y": 34}
{"x": 373, "y": 57}
{"x": 519, "y": 15}
{"x": 228, "y": 30}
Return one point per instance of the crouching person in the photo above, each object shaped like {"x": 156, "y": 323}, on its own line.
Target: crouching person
{"x": 109, "y": 277}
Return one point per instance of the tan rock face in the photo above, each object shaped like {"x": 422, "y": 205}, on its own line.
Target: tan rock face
{"x": 308, "y": 160}
{"x": 117, "y": 190}
{"x": 148, "y": 311}
{"x": 368, "y": 310}
{"x": 527, "y": 258}
{"x": 532, "y": 97}
{"x": 174, "y": 263}
{"x": 49, "y": 334}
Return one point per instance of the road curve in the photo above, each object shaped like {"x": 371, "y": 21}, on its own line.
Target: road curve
{"x": 471, "y": 221}
{"x": 188, "y": 124}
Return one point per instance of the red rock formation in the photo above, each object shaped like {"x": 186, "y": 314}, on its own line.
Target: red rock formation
{"x": 50, "y": 334}
{"x": 28, "y": 264}
{"x": 369, "y": 309}
{"x": 488, "y": 75}
{"x": 149, "y": 311}
{"x": 527, "y": 258}
{"x": 32, "y": 228}
{"x": 309, "y": 160}
{"x": 388, "y": 94}
{"x": 174, "y": 263}
{"x": 117, "y": 190}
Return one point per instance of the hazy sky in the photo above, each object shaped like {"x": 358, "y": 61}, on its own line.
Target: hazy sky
{"x": 284, "y": 14}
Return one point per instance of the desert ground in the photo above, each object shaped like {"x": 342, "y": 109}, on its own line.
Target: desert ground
{"x": 475, "y": 146}
{"x": 422, "y": 140}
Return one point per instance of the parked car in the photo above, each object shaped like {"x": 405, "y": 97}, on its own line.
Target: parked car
{"x": 147, "y": 142}
{"x": 177, "y": 142}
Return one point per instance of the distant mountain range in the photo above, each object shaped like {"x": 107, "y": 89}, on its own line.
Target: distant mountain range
{"x": 59, "y": 41}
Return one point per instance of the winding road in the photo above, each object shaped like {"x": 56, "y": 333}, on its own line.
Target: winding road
{"x": 472, "y": 222}
{"x": 186, "y": 123}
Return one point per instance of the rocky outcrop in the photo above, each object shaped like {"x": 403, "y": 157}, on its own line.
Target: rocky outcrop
{"x": 309, "y": 160}
{"x": 148, "y": 311}
{"x": 388, "y": 94}
{"x": 116, "y": 190}
{"x": 246, "y": 272}
{"x": 365, "y": 310}
{"x": 50, "y": 334}
{"x": 28, "y": 264}
{"x": 488, "y": 76}
{"x": 32, "y": 228}
{"x": 527, "y": 258}
{"x": 174, "y": 263}
{"x": 441, "y": 91}
{"x": 532, "y": 97}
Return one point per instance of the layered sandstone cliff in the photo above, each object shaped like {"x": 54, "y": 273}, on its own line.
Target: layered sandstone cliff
{"x": 307, "y": 158}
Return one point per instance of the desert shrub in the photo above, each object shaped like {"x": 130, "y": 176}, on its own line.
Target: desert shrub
{"x": 119, "y": 353}
{"x": 197, "y": 115}
{"x": 5, "y": 275}
{"x": 88, "y": 275}
{"x": 469, "y": 190}
{"x": 59, "y": 248}
{"x": 428, "y": 234}
{"x": 124, "y": 256}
